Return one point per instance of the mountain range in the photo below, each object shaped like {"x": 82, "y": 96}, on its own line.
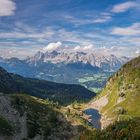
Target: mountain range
{"x": 85, "y": 68}
{"x": 93, "y": 60}
{"x": 27, "y": 117}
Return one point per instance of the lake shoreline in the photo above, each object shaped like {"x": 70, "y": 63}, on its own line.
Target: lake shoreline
{"x": 94, "y": 117}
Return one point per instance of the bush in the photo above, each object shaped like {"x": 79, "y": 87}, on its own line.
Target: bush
{"x": 6, "y": 128}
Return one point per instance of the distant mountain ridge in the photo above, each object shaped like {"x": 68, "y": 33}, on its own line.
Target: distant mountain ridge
{"x": 89, "y": 69}
{"x": 62, "y": 93}
{"x": 104, "y": 62}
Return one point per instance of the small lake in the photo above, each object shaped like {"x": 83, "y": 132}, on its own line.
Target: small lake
{"x": 95, "y": 116}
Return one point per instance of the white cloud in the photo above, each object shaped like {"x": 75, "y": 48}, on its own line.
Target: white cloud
{"x": 129, "y": 51}
{"x": 23, "y": 27}
{"x": 39, "y": 38}
{"x": 88, "y": 47}
{"x": 127, "y": 31}
{"x": 24, "y": 31}
{"x": 62, "y": 47}
{"x": 77, "y": 48}
{"x": 25, "y": 35}
{"x": 119, "y": 8}
{"x": 103, "y": 19}
{"x": 7, "y": 7}
{"x": 52, "y": 46}
{"x": 22, "y": 53}
{"x": 71, "y": 36}
{"x": 83, "y": 48}
{"x": 138, "y": 52}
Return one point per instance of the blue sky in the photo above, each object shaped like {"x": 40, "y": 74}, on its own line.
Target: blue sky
{"x": 27, "y": 26}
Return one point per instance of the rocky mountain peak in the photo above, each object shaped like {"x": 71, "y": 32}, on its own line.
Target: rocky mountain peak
{"x": 104, "y": 61}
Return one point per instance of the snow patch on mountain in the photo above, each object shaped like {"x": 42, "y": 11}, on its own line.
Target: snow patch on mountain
{"x": 106, "y": 62}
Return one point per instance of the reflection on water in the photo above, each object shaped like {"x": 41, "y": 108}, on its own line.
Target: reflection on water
{"x": 95, "y": 116}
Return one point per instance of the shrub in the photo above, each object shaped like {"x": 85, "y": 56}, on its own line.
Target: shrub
{"x": 6, "y": 128}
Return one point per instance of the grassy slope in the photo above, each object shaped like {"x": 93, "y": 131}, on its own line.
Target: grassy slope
{"x": 123, "y": 130}
{"x": 52, "y": 121}
{"x": 44, "y": 118}
{"x": 124, "y": 85}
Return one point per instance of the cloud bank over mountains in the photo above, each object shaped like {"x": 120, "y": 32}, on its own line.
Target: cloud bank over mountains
{"x": 52, "y": 46}
{"x": 59, "y": 46}
{"x": 107, "y": 27}
{"x": 22, "y": 53}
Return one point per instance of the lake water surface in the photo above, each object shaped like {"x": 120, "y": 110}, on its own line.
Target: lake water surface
{"x": 95, "y": 116}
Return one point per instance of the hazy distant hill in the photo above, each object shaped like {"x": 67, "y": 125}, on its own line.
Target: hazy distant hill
{"x": 63, "y": 93}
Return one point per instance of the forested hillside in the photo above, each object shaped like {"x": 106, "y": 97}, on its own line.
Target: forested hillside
{"x": 63, "y": 93}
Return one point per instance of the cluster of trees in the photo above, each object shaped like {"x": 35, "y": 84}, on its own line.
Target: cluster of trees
{"x": 123, "y": 130}
{"x": 42, "y": 117}
{"x": 62, "y": 93}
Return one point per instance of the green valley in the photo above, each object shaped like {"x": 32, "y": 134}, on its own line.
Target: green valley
{"x": 62, "y": 93}
{"x": 25, "y": 113}
{"x": 95, "y": 82}
{"x": 69, "y": 69}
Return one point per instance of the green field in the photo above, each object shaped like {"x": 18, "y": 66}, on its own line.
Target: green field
{"x": 86, "y": 79}
{"x": 96, "y": 90}
{"x": 94, "y": 82}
